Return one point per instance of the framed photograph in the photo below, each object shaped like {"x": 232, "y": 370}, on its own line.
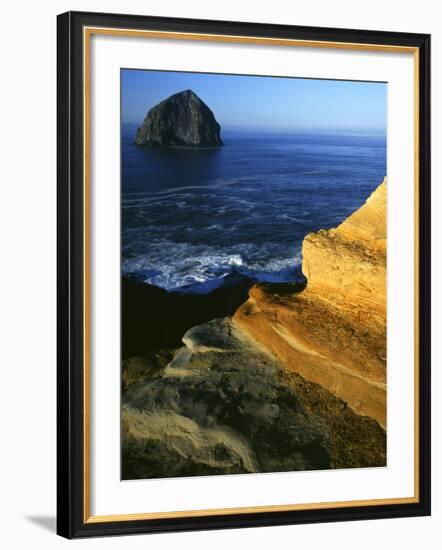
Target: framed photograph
{"x": 243, "y": 274}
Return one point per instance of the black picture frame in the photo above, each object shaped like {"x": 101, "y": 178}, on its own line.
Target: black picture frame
{"x": 71, "y": 520}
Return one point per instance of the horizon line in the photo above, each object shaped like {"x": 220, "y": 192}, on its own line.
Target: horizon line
{"x": 285, "y": 129}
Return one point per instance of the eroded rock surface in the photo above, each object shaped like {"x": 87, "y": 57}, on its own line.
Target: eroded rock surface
{"x": 349, "y": 262}
{"x": 218, "y": 407}
{"x": 334, "y": 332}
{"x": 222, "y": 405}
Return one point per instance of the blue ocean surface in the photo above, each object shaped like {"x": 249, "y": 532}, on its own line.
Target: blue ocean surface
{"x": 191, "y": 217}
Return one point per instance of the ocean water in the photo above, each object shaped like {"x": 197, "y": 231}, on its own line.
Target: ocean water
{"x": 191, "y": 217}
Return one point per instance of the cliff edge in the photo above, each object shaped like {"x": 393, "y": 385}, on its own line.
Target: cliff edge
{"x": 334, "y": 332}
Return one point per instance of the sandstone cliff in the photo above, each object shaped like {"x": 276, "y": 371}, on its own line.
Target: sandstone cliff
{"x": 334, "y": 332}
{"x": 182, "y": 119}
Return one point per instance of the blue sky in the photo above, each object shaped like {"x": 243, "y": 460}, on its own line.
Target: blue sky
{"x": 263, "y": 103}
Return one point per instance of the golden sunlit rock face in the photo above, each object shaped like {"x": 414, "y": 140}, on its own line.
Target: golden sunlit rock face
{"x": 334, "y": 332}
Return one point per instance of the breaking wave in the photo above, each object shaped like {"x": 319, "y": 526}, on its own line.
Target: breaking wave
{"x": 185, "y": 267}
{"x": 192, "y": 219}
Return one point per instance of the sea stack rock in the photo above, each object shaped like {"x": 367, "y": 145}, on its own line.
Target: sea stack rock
{"x": 182, "y": 119}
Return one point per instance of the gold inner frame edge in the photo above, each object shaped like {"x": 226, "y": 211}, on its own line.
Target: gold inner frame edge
{"x": 87, "y": 34}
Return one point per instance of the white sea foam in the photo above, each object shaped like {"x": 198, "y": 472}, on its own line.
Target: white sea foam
{"x": 177, "y": 266}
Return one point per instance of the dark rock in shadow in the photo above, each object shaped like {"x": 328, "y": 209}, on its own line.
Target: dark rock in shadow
{"x": 222, "y": 405}
{"x": 154, "y": 319}
{"x": 220, "y": 409}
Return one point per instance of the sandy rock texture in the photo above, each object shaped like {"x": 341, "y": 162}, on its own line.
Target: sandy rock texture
{"x": 223, "y": 405}
{"x": 333, "y": 333}
{"x": 218, "y": 407}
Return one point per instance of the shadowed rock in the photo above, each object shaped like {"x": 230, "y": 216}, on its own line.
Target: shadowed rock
{"x": 222, "y": 405}
{"x": 182, "y": 119}
{"x": 217, "y": 408}
{"x": 155, "y": 319}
